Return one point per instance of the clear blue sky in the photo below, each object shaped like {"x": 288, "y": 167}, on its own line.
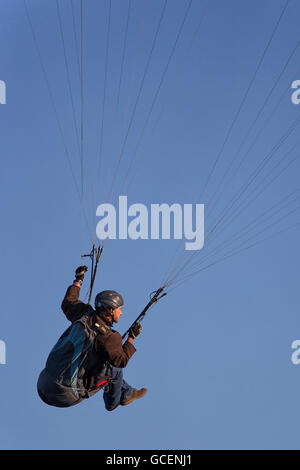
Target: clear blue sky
{"x": 215, "y": 353}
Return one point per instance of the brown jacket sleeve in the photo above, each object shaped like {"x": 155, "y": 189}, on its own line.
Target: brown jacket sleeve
{"x": 72, "y": 307}
{"x": 117, "y": 354}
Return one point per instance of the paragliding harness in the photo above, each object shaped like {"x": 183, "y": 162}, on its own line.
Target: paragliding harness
{"x": 68, "y": 365}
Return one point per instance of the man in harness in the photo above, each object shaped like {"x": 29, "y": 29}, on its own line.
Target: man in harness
{"x": 108, "y": 356}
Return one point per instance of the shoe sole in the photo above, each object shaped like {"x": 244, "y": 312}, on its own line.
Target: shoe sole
{"x": 133, "y": 399}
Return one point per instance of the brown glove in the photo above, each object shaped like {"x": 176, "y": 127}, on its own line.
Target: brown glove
{"x": 79, "y": 273}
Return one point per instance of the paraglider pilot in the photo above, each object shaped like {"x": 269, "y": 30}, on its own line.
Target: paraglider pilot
{"x": 108, "y": 310}
{"x": 108, "y": 357}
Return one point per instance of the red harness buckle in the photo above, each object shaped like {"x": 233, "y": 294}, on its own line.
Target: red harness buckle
{"x": 101, "y": 383}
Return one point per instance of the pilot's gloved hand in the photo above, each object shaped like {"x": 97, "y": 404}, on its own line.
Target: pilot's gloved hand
{"x": 79, "y": 273}
{"x": 135, "y": 330}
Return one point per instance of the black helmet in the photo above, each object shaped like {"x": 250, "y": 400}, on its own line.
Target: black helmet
{"x": 108, "y": 299}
